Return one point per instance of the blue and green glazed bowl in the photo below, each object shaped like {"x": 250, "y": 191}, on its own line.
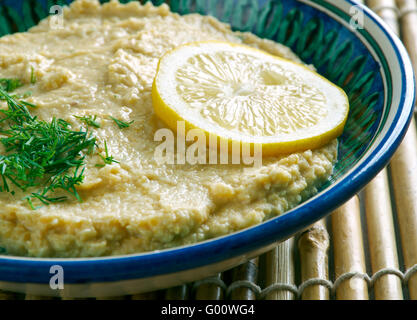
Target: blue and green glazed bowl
{"x": 349, "y": 45}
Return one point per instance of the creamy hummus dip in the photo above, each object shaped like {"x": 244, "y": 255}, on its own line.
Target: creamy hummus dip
{"x": 102, "y": 62}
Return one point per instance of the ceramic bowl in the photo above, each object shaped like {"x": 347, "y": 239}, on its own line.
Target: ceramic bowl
{"x": 349, "y": 45}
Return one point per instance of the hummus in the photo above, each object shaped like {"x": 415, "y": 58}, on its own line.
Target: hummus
{"x": 102, "y": 62}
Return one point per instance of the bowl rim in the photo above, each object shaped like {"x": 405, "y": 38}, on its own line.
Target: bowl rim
{"x": 148, "y": 264}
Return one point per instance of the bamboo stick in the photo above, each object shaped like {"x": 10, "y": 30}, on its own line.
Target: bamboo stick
{"x": 280, "y": 269}
{"x": 404, "y": 175}
{"x": 35, "y": 297}
{"x": 111, "y": 298}
{"x": 348, "y": 251}
{"x": 381, "y": 233}
{"x": 247, "y": 271}
{"x": 313, "y": 247}
{"x": 408, "y": 26}
{"x": 177, "y": 293}
{"x": 387, "y": 10}
{"x": 210, "y": 291}
{"x": 7, "y": 295}
{"x": 145, "y": 296}
{"x": 404, "y": 163}
{"x": 381, "y": 237}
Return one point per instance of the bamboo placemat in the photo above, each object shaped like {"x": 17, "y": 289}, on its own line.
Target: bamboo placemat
{"x": 367, "y": 249}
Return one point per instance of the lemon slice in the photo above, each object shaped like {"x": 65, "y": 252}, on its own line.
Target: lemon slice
{"x": 245, "y": 95}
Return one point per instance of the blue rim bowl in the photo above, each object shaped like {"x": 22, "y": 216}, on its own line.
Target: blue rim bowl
{"x": 351, "y": 46}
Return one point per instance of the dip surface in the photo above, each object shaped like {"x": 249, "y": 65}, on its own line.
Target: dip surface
{"x": 102, "y": 62}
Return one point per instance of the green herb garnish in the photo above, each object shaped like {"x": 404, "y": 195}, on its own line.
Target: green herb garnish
{"x": 23, "y": 95}
{"x": 9, "y": 85}
{"x": 89, "y": 120}
{"x": 32, "y": 75}
{"x": 45, "y": 155}
{"x": 121, "y": 124}
{"x": 106, "y": 159}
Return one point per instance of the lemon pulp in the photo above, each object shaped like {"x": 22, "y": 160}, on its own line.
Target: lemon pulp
{"x": 242, "y": 94}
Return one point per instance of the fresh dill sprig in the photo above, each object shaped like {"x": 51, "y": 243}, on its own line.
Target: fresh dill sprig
{"x": 106, "y": 159}
{"x": 10, "y": 85}
{"x": 63, "y": 181}
{"x": 46, "y": 155}
{"x": 121, "y": 124}
{"x": 89, "y": 120}
{"x": 23, "y": 95}
{"x": 32, "y": 75}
